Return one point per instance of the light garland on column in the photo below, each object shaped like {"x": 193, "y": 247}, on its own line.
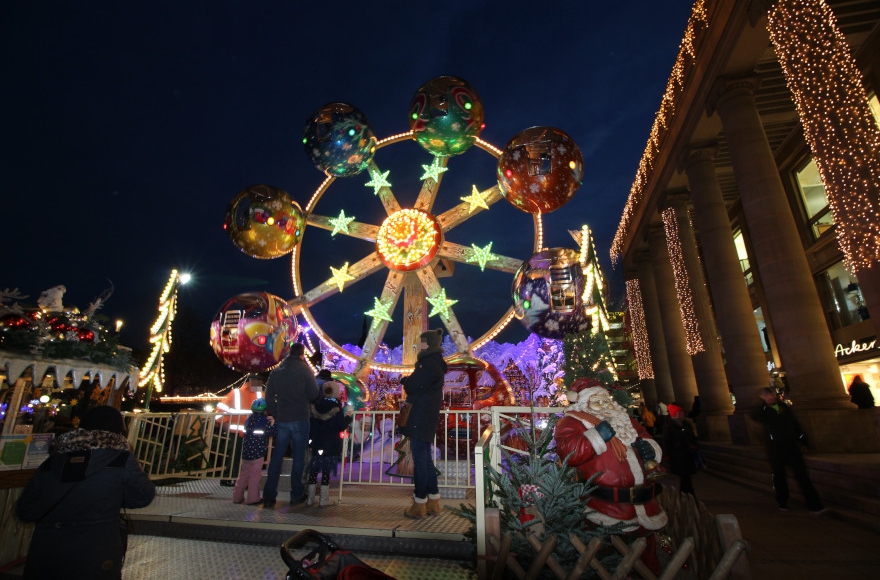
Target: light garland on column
{"x": 686, "y": 56}
{"x": 682, "y": 283}
{"x": 639, "y": 329}
{"x": 827, "y": 89}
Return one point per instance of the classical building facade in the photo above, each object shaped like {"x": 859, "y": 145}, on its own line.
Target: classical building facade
{"x": 751, "y": 236}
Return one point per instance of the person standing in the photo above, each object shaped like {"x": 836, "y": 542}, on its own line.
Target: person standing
{"x": 290, "y": 390}
{"x": 783, "y": 439}
{"x": 679, "y": 448}
{"x": 646, "y": 417}
{"x": 75, "y": 498}
{"x": 328, "y": 423}
{"x": 860, "y": 393}
{"x": 424, "y": 391}
{"x": 257, "y": 430}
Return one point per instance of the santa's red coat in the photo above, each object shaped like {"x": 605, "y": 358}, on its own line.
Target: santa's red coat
{"x": 571, "y": 435}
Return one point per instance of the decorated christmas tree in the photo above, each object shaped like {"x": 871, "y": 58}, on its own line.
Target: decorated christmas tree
{"x": 539, "y": 495}
{"x": 587, "y": 355}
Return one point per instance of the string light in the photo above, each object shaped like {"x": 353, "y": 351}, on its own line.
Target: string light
{"x": 832, "y": 104}
{"x": 682, "y": 283}
{"x": 153, "y": 372}
{"x": 684, "y": 62}
{"x": 639, "y": 329}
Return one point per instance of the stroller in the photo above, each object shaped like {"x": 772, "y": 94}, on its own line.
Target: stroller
{"x": 325, "y": 560}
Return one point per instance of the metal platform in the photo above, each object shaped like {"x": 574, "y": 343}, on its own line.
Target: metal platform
{"x": 198, "y": 516}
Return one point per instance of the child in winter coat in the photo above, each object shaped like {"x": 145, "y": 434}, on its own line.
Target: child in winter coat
{"x": 257, "y": 430}
{"x": 328, "y": 421}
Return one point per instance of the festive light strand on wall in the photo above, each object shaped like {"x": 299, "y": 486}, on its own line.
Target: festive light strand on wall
{"x": 682, "y": 283}
{"x": 838, "y": 125}
{"x": 699, "y": 19}
{"x": 639, "y": 329}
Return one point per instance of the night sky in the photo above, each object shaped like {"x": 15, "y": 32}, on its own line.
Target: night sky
{"x": 128, "y": 127}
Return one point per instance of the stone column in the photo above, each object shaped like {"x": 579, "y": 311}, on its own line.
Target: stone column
{"x": 708, "y": 364}
{"x": 802, "y": 336}
{"x": 653, "y": 323}
{"x": 681, "y": 369}
{"x": 745, "y": 363}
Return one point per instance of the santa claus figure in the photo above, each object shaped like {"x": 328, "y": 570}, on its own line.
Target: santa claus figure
{"x": 598, "y": 437}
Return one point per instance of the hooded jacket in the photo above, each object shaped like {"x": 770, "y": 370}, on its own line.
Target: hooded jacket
{"x": 424, "y": 391}
{"x": 75, "y": 498}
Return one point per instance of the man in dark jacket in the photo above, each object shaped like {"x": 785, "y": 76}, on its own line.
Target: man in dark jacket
{"x": 75, "y": 497}
{"x": 784, "y": 436}
{"x": 290, "y": 390}
{"x": 424, "y": 391}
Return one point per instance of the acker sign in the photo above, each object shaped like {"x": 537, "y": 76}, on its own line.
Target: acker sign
{"x": 856, "y": 347}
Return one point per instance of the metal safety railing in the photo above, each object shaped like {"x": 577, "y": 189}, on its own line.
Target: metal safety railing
{"x": 191, "y": 445}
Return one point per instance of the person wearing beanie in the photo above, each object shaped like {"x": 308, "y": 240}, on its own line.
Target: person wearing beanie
{"x": 328, "y": 422}
{"x": 75, "y": 497}
{"x": 424, "y": 391}
{"x": 258, "y": 429}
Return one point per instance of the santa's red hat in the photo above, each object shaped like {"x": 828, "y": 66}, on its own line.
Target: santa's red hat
{"x": 674, "y": 410}
{"x": 582, "y": 389}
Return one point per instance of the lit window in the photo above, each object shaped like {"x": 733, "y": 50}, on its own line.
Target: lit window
{"x": 743, "y": 256}
{"x": 815, "y": 200}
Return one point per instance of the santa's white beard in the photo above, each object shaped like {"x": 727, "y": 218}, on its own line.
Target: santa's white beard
{"x": 617, "y": 418}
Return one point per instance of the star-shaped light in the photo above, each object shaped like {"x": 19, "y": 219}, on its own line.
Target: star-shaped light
{"x": 380, "y": 310}
{"x": 341, "y": 223}
{"x": 433, "y": 170}
{"x": 476, "y": 200}
{"x": 440, "y": 304}
{"x": 379, "y": 180}
{"x": 341, "y": 275}
{"x": 481, "y": 255}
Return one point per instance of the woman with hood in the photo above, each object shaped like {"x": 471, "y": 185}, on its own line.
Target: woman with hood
{"x": 424, "y": 391}
{"x": 75, "y": 498}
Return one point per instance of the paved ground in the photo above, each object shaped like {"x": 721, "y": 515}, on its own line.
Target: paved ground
{"x": 783, "y": 545}
{"x": 793, "y": 544}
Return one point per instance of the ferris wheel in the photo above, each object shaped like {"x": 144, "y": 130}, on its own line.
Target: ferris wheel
{"x": 406, "y": 247}
{"x": 409, "y": 244}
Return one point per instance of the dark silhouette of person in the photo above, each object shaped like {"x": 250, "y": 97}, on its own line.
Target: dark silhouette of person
{"x": 860, "y": 393}
{"x": 75, "y": 498}
{"x": 679, "y": 446}
{"x": 784, "y": 437}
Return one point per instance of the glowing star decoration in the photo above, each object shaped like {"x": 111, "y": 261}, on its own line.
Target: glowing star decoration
{"x": 408, "y": 240}
{"x": 440, "y": 304}
{"x": 341, "y": 223}
{"x": 380, "y": 310}
{"x": 481, "y": 256}
{"x": 433, "y": 170}
{"x": 475, "y": 199}
{"x": 341, "y": 275}
{"x": 378, "y": 181}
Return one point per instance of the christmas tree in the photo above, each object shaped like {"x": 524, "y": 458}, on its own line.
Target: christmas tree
{"x": 537, "y": 494}
{"x": 587, "y": 355}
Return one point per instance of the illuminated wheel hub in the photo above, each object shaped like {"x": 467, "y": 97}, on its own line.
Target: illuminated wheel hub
{"x": 408, "y": 240}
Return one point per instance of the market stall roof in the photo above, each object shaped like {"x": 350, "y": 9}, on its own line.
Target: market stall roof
{"x": 16, "y": 364}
